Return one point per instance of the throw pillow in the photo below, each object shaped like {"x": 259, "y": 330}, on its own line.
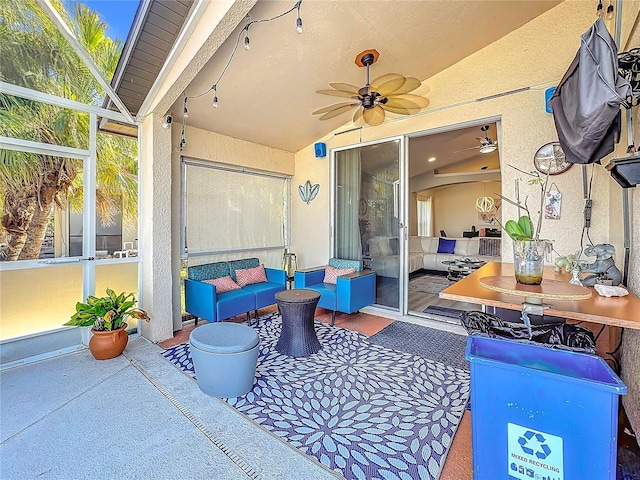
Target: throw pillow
{"x": 249, "y": 276}
{"x": 446, "y": 245}
{"x": 223, "y": 284}
{"x": 331, "y": 274}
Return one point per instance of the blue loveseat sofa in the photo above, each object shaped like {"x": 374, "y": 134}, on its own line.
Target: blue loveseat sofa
{"x": 202, "y": 300}
{"x": 350, "y": 293}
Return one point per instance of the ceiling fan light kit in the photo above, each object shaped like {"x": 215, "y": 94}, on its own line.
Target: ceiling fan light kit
{"x": 487, "y": 145}
{"x": 388, "y": 93}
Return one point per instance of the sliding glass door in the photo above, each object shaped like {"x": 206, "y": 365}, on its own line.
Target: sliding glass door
{"x": 369, "y": 213}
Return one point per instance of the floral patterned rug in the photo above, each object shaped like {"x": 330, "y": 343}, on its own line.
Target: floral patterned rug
{"x": 361, "y": 409}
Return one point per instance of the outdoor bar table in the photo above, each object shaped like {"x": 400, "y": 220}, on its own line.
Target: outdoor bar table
{"x": 298, "y": 337}
{"x": 614, "y": 311}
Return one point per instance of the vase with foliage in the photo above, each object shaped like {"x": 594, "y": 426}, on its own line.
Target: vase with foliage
{"x": 529, "y": 251}
{"x": 107, "y": 318}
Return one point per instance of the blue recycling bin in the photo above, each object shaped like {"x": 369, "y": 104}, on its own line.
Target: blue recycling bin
{"x": 539, "y": 413}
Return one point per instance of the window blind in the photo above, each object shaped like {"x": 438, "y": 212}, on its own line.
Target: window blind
{"x": 233, "y": 213}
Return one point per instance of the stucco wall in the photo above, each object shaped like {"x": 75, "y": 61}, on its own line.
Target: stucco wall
{"x": 535, "y": 56}
{"x": 156, "y": 235}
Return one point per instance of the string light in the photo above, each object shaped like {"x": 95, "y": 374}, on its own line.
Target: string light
{"x": 599, "y": 8}
{"x": 245, "y": 30}
{"x": 610, "y": 10}
{"x": 298, "y": 20}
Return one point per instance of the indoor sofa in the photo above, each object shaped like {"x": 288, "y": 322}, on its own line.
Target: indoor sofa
{"x": 204, "y": 299}
{"x": 435, "y": 250}
{"x": 385, "y": 258}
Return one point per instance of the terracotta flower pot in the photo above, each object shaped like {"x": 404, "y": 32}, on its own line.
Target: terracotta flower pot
{"x": 109, "y": 344}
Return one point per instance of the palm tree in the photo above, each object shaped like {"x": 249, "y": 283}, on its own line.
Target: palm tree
{"x": 35, "y": 55}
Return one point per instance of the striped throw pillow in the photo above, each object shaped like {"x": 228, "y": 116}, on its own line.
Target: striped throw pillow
{"x": 249, "y": 276}
{"x": 223, "y": 284}
{"x": 331, "y": 274}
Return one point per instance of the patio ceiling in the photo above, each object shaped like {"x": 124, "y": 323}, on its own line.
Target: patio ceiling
{"x": 268, "y": 92}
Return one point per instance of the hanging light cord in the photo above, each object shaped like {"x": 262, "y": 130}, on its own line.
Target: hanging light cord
{"x": 245, "y": 31}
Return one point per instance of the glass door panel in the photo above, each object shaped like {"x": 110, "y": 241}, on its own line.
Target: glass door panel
{"x": 367, "y": 216}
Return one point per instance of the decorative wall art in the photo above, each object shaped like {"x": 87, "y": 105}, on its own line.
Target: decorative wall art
{"x": 308, "y": 192}
{"x": 552, "y": 202}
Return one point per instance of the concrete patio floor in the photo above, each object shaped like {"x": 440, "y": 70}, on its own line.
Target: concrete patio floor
{"x": 132, "y": 417}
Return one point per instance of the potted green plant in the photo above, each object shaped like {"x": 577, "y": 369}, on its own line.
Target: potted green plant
{"x": 107, "y": 318}
{"x": 529, "y": 250}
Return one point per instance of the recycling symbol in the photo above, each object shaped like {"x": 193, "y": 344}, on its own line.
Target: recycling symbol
{"x": 533, "y": 444}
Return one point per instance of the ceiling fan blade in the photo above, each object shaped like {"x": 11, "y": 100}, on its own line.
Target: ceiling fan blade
{"x": 387, "y": 77}
{"x": 330, "y": 108}
{"x": 467, "y": 149}
{"x": 405, "y": 105}
{"x": 338, "y": 111}
{"x": 373, "y": 116}
{"x": 357, "y": 117}
{"x": 398, "y": 110}
{"x": 408, "y": 100}
{"x": 411, "y": 84}
{"x": 345, "y": 87}
{"x": 390, "y": 86}
{"x": 336, "y": 93}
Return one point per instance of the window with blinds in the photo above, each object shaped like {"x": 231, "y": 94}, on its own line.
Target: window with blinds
{"x": 231, "y": 213}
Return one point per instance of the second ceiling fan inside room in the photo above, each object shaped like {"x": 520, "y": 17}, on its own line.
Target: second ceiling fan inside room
{"x": 487, "y": 144}
{"x": 388, "y": 93}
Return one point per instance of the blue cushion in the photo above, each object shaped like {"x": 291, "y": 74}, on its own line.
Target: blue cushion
{"x": 341, "y": 263}
{"x": 209, "y": 271}
{"x": 235, "y": 302}
{"x": 446, "y": 245}
{"x": 265, "y": 292}
{"x": 224, "y": 337}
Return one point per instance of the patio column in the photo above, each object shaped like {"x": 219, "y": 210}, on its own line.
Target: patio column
{"x": 155, "y": 229}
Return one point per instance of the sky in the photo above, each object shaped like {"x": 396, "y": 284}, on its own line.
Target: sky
{"x": 117, "y": 14}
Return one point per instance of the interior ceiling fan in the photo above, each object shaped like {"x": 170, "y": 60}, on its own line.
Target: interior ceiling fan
{"x": 388, "y": 93}
{"x": 487, "y": 145}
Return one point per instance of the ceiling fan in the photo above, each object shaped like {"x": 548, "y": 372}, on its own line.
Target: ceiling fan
{"x": 487, "y": 145}
{"x": 388, "y": 93}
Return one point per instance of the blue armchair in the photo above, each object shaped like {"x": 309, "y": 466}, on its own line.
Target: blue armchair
{"x": 350, "y": 293}
{"x": 203, "y": 301}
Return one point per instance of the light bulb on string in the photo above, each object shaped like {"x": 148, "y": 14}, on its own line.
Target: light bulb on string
{"x": 185, "y": 112}
{"x": 298, "y": 20}
{"x": 246, "y": 42}
{"x": 215, "y": 96}
{"x": 599, "y": 8}
{"x": 610, "y": 10}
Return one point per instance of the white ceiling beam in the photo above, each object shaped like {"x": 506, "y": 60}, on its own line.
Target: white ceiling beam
{"x": 66, "y": 32}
